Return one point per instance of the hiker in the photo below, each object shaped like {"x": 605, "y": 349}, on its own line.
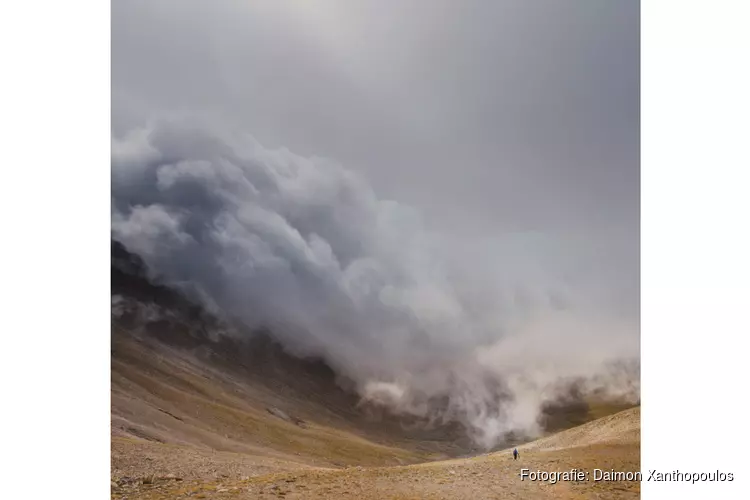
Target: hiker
{"x": 515, "y": 454}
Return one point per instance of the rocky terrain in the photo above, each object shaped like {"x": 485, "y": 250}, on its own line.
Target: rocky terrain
{"x": 201, "y": 414}
{"x": 609, "y": 443}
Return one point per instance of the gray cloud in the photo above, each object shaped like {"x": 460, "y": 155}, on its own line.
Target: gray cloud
{"x": 508, "y": 131}
{"x": 524, "y": 114}
{"x": 306, "y": 247}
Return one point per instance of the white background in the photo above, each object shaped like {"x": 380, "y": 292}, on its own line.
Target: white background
{"x": 54, "y": 248}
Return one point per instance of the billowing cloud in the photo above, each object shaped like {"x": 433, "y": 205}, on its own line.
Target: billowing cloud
{"x": 507, "y": 131}
{"x": 483, "y": 331}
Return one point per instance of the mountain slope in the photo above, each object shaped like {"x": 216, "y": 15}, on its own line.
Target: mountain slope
{"x": 198, "y": 408}
{"x": 492, "y": 476}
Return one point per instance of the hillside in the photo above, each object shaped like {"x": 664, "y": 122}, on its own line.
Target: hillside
{"x": 203, "y": 414}
{"x": 616, "y": 445}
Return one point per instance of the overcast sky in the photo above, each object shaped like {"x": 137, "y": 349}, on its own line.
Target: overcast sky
{"x": 488, "y": 116}
{"x": 430, "y": 194}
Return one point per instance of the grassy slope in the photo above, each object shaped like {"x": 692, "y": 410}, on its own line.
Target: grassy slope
{"x": 194, "y": 421}
{"x": 165, "y": 402}
{"x": 173, "y": 417}
{"x": 609, "y": 443}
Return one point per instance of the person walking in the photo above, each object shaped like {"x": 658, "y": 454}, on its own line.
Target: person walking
{"x": 515, "y": 454}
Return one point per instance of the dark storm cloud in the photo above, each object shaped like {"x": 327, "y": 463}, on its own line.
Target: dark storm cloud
{"x": 508, "y": 131}
{"x": 306, "y": 247}
{"x": 522, "y": 113}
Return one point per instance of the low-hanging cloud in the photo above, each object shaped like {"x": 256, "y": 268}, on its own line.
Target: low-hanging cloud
{"x": 482, "y": 331}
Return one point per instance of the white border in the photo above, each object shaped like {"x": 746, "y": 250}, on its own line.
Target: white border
{"x": 54, "y": 287}
{"x": 695, "y": 227}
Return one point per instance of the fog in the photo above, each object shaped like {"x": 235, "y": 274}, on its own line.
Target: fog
{"x": 440, "y": 198}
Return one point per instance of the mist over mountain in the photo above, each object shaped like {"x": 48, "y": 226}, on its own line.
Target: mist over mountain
{"x": 438, "y": 199}
{"x": 483, "y": 330}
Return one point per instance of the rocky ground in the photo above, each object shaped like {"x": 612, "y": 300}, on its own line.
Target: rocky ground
{"x": 609, "y": 443}
{"x": 198, "y": 415}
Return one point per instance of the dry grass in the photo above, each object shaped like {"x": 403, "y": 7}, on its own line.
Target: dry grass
{"x": 184, "y": 430}
{"x": 487, "y": 477}
{"x": 162, "y": 406}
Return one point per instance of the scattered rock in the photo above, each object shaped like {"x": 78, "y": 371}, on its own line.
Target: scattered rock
{"x": 170, "y": 414}
{"x": 276, "y": 412}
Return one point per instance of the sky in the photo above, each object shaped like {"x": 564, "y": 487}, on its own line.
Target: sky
{"x": 523, "y": 114}
{"x": 454, "y": 179}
